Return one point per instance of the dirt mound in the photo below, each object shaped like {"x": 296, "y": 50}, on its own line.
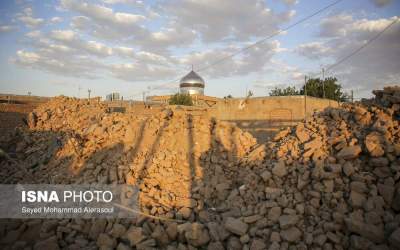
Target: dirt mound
{"x": 331, "y": 182}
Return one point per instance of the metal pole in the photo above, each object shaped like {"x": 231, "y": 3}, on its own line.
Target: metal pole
{"x": 323, "y": 82}
{"x": 352, "y": 96}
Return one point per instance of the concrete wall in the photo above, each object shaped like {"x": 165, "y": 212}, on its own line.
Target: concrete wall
{"x": 264, "y": 116}
{"x": 284, "y": 108}
{"x": 22, "y": 99}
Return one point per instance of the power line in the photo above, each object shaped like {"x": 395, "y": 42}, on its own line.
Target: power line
{"x": 345, "y": 58}
{"x": 363, "y": 46}
{"x": 257, "y": 42}
{"x": 270, "y": 36}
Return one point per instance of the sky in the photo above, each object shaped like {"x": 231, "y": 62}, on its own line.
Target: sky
{"x": 65, "y": 47}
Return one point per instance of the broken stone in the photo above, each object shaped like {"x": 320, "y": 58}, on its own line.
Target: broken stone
{"x": 386, "y": 192}
{"x": 105, "y": 241}
{"x": 373, "y": 143}
{"x": 50, "y": 243}
{"x": 274, "y": 214}
{"x": 236, "y": 226}
{"x": 357, "y": 200}
{"x": 292, "y": 234}
{"x": 394, "y": 238}
{"x": 135, "y": 235}
{"x": 301, "y": 134}
{"x": 257, "y": 244}
{"x": 371, "y": 232}
{"x": 349, "y": 152}
{"x": 279, "y": 169}
{"x": 287, "y": 221}
{"x": 282, "y": 134}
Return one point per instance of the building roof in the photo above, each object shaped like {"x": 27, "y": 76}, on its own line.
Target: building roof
{"x": 192, "y": 79}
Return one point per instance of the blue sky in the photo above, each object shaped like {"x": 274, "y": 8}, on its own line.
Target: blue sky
{"x": 68, "y": 46}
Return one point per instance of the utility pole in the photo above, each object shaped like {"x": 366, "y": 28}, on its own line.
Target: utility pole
{"x": 323, "y": 82}
{"x": 89, "y": 90}
{"x": 305, "y": 98}
{"x": 352, "y": 96}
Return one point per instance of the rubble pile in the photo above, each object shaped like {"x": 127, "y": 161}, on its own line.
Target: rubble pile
{"x": 331, "y": 182}
{"x": 344, "y": 164}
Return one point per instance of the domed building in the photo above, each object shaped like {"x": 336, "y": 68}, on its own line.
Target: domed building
{"x": 192, "y": 84}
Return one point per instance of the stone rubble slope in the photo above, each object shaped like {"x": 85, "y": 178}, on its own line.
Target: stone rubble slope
{"x": 345, "y": 165}
{"x": 331, "y": 182}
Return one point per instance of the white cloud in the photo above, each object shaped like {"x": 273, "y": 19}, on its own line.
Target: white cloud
{"x": 290, "y": 2}
{"x": 56, "y": 19}
{"x": 123, "y": 45}
{"x": 80, "y": 22}
{"x": 136, "y": 2}
{"x": 175, "y": 35}
{"x": 183, "y": 22}
{"x": 103, "y": 14}
{"x": 6, "y": 28}
{"x": 77, "y": 67}
{"x": 374, "y": 66}
{"x": 124, "y": 51}
{"x": 26, "y": 17}
{"x": 226, "y": 19}
{"x": 30, "y": 21}
{"x": 28, "y": 11}
{"x": 252, "y": 60}
{"x": 312, "y": 50}
{"x": 98, "y": 48}
{"x": 71, "y": 39}
{"x": 63, "y": 35}
{"x": 141, "y": 72}
{"x": 104, "y": 23}
{"x": 65, "y": 52}
{"x": 335, "y": 25}
{"x": 34, "y": 34}
{"x": 28, "y": 57}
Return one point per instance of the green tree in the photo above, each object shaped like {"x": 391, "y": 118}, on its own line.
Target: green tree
{"x": 284, "y": 92}
{"x": 316, "y": 87}
{"x": 181, "y": 99}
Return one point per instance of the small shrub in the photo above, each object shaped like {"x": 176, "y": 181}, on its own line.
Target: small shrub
{"x": 181, "y": 99}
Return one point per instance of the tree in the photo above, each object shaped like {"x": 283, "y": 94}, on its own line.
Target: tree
{"x": 181, "y": 99}
{"x": 228, "y": 96}
{"x": 284, "y": 92}
{"x": 316, "y": 87}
